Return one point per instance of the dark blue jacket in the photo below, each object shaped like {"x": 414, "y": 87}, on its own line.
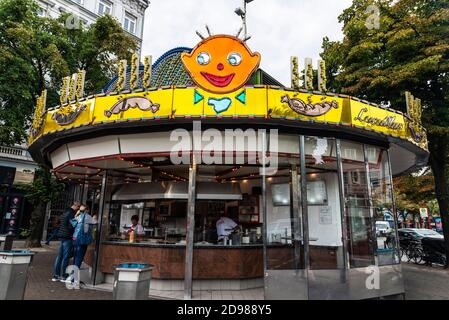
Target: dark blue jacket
{"x": 65, "y": 228}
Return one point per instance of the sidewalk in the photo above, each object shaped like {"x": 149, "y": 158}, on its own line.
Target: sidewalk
{"x": 421, "y": 283}
{"x": 425, "y": 283}
{"x": 40, "y": 286}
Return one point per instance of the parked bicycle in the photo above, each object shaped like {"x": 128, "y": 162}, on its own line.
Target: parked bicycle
{"x": 414, "y": 252}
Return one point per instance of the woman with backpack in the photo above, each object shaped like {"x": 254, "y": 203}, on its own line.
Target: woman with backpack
{"x": 83, "y": 235}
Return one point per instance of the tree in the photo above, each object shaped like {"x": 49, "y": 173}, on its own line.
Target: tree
{"x": 408, "y": 50}
{"x": 414, "y": 192}
{"x": 35, "y": 54}
{"x": 44, "y": 189}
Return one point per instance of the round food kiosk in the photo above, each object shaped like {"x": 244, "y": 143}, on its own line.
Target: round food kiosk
{"x": 239, "y": 183}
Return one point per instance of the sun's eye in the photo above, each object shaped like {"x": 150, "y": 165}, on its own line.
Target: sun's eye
{"x": 203, "y": 58}
{"x": 234, "y": 59}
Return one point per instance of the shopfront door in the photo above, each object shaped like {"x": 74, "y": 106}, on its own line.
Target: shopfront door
{"x": 285, "y": 247}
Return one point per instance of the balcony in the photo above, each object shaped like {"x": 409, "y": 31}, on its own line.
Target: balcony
{"x": 15, "y": 153}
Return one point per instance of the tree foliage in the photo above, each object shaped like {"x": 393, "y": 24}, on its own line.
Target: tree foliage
{"x": 407, "y": 51}
{"x": 414, "y": 192}
{"x": 37, "y": 52}
{"x": 410, "y": 51}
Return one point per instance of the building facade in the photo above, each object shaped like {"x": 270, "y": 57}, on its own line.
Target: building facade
{"x": 130, "y": 13}
{"x": 18, "y": 157}
{"x": 16, "y": 167}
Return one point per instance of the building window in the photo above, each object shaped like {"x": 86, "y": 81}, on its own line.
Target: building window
{"x": 78, "y": 1}
{"x": 130, "y": 23}
{"x": 104, "y": 7}
{"x": 41, "y": 12}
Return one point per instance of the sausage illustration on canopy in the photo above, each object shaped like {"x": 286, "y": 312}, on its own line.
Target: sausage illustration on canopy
{"x": 309, "y": 109}
{"x": 142, "y": 103}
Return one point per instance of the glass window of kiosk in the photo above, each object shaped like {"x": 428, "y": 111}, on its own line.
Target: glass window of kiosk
{"x": 285, "y": 242}
{"x": 382, "y": 197}
{"x": 228, "y": 205}
{"x": 358, "y": 211}
{"x": 161, "y": 210}
{"x": 323, "y": 198}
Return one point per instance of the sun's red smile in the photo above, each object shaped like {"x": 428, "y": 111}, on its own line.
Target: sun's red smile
{"x": 218, "y": 81}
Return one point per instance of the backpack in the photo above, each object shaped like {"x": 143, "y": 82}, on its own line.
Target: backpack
{"x": 84, "y": 238}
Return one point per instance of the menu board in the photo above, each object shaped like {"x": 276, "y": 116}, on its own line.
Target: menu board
{"x": 280, "y": 194}
{"x": 316, "y": 192}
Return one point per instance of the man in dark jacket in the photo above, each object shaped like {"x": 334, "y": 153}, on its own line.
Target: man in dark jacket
{"x": 65, "y": 234}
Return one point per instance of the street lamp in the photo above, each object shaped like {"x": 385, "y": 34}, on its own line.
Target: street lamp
{"x": 242, "y": 13}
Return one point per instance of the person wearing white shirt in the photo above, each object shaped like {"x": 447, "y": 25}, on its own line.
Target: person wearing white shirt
{"x": 136, "y": 226}
{"x": 225, "y": 227}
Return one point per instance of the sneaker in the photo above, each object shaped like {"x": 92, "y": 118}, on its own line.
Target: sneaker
{"x": 55, "y": 279}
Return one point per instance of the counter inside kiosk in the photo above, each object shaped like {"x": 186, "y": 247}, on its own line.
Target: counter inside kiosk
{"x": 162, "y": 211}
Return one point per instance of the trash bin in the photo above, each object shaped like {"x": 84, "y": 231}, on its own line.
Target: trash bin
{"x": 13, "y": 273}
{"x": 132, "y": 281}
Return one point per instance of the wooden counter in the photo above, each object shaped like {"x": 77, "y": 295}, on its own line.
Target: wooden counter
{"x": 209, "y": 262}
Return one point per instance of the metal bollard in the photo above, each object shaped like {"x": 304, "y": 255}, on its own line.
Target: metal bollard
{"x": 13, "y": 273}
{"x": 132, "y": 281}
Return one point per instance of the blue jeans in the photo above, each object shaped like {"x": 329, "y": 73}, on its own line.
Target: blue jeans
{"x": 80, "y": 252}
{"x": 63, "y": 257}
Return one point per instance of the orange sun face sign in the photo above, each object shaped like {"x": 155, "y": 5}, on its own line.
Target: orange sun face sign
{"x": 221, "y": 64}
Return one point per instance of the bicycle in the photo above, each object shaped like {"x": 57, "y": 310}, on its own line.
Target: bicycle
{"x": 414, "y": 252}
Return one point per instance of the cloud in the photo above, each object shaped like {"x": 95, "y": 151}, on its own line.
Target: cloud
{"x": 279, "y": 28}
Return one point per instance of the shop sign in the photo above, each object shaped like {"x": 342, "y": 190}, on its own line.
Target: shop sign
{"x": 387, "y": 122}
{"x": 424, "y": 213}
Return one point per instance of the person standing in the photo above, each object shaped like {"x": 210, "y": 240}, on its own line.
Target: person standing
{"x": 225, "y": 227}
{"x": 135, "y": 227}
{"x": 83, "y": 235}
{"x": 65, "y": 235}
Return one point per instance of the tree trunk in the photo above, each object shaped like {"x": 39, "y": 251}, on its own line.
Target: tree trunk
{"x": 36, "y": 226}
{"x": 438, "y": 146}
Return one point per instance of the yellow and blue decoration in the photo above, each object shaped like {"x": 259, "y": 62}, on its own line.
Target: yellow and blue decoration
{"x": 220, "y": 105}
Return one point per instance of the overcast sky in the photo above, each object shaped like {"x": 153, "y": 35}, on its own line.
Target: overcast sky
{"x": 279, "y": 28}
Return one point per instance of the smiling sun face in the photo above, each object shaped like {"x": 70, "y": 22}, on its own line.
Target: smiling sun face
{"x": 221, "y": 64}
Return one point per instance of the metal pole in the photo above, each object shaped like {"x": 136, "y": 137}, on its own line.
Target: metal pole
{"x": 188, "y": 276}
{"x": 100, "y": 227}
{"x": 85, "y": 192}
{"x": 394, "y": 206}
{"x": 344, "y": 225}
{"x": 264, "y": 206}
{"x": 297, "y": 238}
{"x": 304, "y": 204}
{"x": 373, "y": 239}
{"x": 244, "y": 20}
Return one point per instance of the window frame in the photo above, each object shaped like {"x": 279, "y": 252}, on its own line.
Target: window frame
{"x": 126, "y": 21}
{"x": 106, "y": 4}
